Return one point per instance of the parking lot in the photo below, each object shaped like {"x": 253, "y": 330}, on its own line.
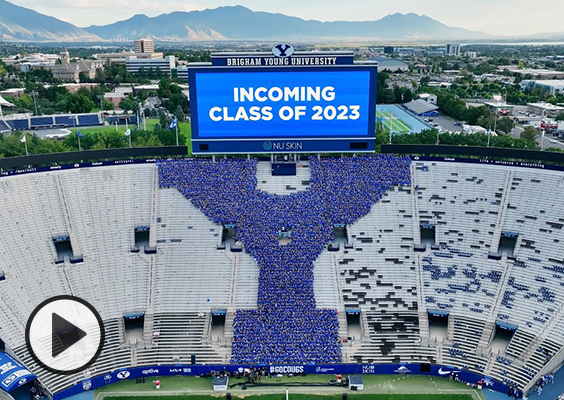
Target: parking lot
{"x": 446, "y": 123}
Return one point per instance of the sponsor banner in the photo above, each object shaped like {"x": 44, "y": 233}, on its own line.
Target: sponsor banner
{"x": 344, "y": 369}
{"x": 306, "y": 145}
{"x": 286, "y": 146}
{"x": 13, "y": 374}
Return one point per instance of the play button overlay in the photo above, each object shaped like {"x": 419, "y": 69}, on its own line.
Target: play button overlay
{"x": 64, "y": 335}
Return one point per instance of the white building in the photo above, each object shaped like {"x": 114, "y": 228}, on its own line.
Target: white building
{"x": 553, "y": 87}
{"x": 165, "y": 66}
{"x": 429, "y": 97}
{"x": 452, "y": 50}
{"x": 470, "y": 54}
{"x": 545, "y": 109}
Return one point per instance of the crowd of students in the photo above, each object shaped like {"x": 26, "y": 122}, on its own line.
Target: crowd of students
{"x": 286, "y": 327}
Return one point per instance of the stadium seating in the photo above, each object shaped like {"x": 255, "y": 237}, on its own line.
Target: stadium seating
{"x": 4, "y": 126}
{"x": 89, "y": 120}
{"x": 285, "y": 297}
{"x": 286, "y": 327}
{"x": 18, "y": 124}
{"x": 67, "y": 120}
{"x": 41, "y": 121}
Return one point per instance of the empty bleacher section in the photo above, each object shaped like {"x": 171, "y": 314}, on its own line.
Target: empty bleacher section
{"x": 282, "y": 184}
{"x": 18, "y": 124}
{"x": 191, "y": 274}
{"x": 29, "y": 122}
{"x": 114, "y": 356}
{"x": 89, "y": 119}
{"x": 4, "y": 126}
{"x": 40, "y": 122}
{"x": 175, "y": 338}
{"x": 66, "y": 120}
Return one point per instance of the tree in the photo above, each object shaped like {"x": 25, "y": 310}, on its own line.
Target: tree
{"x": 76, "y": 104}
{"x": 424, "y": 81}
{"x": 560, "y": 117}
{"x": 505, "y": 124}
{"x": 530, "y": 134}
{"x": 108, "y": 105}
{"x": 179, "y": 114}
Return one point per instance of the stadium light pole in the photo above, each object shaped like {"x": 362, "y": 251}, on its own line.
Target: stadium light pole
{"x": 101, "y": 98}
{"x": 34, "y": 95}
{"x": 24, "y": 140}
{"x": 77, "y": 135}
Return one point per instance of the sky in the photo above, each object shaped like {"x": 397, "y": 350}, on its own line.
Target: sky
{"x": 499, "y": 17}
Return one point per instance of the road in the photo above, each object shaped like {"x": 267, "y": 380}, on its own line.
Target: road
{"x": 549, "y": 140}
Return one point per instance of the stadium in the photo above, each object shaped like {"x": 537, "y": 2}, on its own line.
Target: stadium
{"x": 278, "y": 274}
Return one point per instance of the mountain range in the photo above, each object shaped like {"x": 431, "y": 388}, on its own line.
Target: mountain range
{"x": 241, "y": 23}
{"x": 225, "y": 23}
{"x": 22, "y": 24}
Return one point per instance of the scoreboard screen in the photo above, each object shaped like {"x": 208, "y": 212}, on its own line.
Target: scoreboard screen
{"x": 243, "y": 110}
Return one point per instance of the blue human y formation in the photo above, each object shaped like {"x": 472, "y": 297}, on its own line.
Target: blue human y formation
{"x": 286, "y": 327}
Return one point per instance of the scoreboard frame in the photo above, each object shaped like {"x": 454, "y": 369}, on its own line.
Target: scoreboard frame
{"x": 288, "y": 143}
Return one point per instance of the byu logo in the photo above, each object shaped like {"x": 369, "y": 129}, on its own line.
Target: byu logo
{"x": 123, "y": 374}
{"x": 283, "y": 50}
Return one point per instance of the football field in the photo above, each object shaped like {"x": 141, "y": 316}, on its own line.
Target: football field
{"x": 315, "y": 387}
{"x": 391, "y": 123}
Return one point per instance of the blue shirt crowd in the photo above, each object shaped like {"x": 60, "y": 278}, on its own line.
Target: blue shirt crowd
{"x": 286, "y": 327}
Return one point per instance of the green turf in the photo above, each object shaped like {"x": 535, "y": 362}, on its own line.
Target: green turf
{"x": 282, "y": 396}
{"x": 411, "y": 387}
{"x": 392, "y": 123}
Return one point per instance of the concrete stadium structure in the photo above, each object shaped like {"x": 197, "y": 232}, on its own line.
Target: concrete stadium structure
{"x": 385, "y": 269}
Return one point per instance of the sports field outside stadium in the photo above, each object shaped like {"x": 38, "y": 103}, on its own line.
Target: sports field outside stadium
{"x": 376, "y": 387}
{"x": 391, "y": 123}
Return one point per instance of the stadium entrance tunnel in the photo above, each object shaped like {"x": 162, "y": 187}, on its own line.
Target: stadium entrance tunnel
{"x": 502, "y": 336}
{"x": 340, "y": 235}
{"x": 142, "y": 235}
{"x": 438, "y": 325}
{"x": 133, "y": 328}
{"x": 507, "y": 243}
{"x": 354, "y": 326}
{"x": 64, "y": 250}
{"x": 427, "y": 234}
{"x": 284, "y": 235}
{"x": 218, "y": 323}
{"x": 229, "y": 239}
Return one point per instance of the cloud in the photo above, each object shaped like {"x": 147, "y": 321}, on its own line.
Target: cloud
{"x": 102, "y": 12}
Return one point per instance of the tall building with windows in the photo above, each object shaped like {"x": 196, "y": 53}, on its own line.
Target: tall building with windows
{"x": 144, "y": 46}
{"x": 147, "y": 66}
{"x": 452, "y": 50}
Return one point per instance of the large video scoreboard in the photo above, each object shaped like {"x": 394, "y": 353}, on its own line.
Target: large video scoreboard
{"x": 263, "y": 103}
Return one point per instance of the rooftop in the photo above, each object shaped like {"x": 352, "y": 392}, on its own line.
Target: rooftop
{"x": 546, "y": 106}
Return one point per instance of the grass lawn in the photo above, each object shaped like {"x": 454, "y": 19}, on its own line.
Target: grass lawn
{"x": 184, "y": 127}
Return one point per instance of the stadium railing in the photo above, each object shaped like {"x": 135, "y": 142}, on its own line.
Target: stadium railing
{"x": 76, "y": 156}
{"x": 473, "y": 151}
